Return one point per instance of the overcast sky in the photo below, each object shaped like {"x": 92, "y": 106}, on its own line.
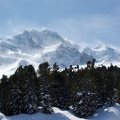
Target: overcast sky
{"x": 87, "y": 22}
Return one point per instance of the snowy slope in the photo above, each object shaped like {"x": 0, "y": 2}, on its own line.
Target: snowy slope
{"x": 66, "y": 54}
{"x": 36, "y": 39}
{"x": 110, "y": 113}
{"x": 103, "y": 53}
{"x": 35, "y": 47}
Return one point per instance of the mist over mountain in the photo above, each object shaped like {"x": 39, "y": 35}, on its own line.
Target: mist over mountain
{"x": 35, "y": 47}
{"x": 103, "y": 53}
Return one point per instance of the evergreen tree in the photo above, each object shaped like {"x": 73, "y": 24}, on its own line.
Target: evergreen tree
{"x": 44, "y": 88}
{"x": 15, "y": 101}
{"x": 60, "y": 88}
{"x": 85, "y": 89}
{"x": 29, "y": 98}
{"x": 85, "y": 104}
{"x": 55, "y": 67}
{"x": 24, "y": 98}
{"x": 31, "y": 75}
{"x": 4, "y": 94}
{"x": 118, "y": 89}
{"x": 62, "y": 92}
{"x": 93, "y": 63}
{"x": 53, "y": 83}
{"x": 89, "y": 64}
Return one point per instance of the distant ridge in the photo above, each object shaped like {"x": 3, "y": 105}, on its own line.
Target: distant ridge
{"x": 35, "y": 47}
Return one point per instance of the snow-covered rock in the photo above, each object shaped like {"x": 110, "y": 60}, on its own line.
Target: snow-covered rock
{"x": 36, "y": 39}
{"x": 103, "y": 53}
{"x": 66, "y": 54}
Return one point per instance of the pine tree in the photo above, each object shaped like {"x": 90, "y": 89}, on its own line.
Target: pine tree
{"x": 31, "y": 75}
{"x": 118, "y": 89}
{"x": 4, "y": 94}
{"x": 85, "y": 104}
{"x": 60, "y": 88}
{"x": 85, "y": 90}
{"x": 93, "y": 63}
{"x": 29, "y": 98}
{"x": 53, "y": 83}
{"x": 55, "y": 67}
{"x": 62, "y": 99}
{"x": 89, "y": 64}
{"x": 44, "y": 87}
{"x": 99, "y": 89}
{"x": 25, "y": 97}
{"x": 15, "y": 101}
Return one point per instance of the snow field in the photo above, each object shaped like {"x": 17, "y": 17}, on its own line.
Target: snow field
{"x": 110, "y": 113}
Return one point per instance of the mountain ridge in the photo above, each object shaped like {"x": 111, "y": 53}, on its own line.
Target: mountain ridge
{"x": 35, "y": 47}
{"x": 103, "y": 53}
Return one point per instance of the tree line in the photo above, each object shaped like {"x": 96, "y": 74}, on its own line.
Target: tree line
{"x": 81, "y": 89}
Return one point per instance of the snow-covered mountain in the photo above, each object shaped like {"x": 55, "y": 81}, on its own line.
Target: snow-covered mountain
{"x": 40, "y": 46}
{"x": 66, "y": 54}
{"x": 28, "y": 41}
{"x": 103, "y": 53}
{"x": 35, "y": 47}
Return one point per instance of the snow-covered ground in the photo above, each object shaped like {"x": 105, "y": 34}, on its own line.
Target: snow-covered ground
{"x": 110, "y": 113}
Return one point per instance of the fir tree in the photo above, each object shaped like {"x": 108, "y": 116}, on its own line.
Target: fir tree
{"x": 44, "y": 87}
{"x": 85, "y": 89}
{"x": 85, "y": 106}
{"x": 25, "y": 97}
{"x": 4, "y": 95}
{"x": 29, "y": 98}
{"x": 15, "y": 101}
{"x": 62, "y": 92}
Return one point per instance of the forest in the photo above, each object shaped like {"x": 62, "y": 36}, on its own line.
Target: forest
{"x": 82, "y": 90}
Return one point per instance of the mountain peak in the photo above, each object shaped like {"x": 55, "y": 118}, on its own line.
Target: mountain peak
{"x": 48, "y": 31}
{"x": 87, "y": 50}
{"x": 37, "y": 39}
{"x": 101, "y": 46}
{"x": 25, "y": 32}
{"x": 36, "y": 33}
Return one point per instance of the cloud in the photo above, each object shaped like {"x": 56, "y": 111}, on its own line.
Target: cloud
{"x": 89, "y": 29}
{"x": 17, "y": 25}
